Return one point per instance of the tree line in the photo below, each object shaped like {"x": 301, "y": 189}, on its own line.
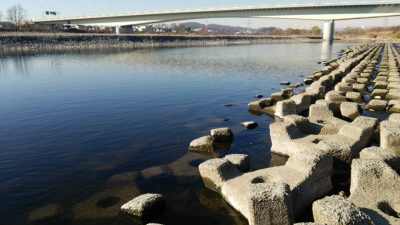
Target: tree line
{"x": 15, "y": 15}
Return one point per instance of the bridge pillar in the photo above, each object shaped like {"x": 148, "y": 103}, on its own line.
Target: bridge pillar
{"x": 329, "y": 31}
{"x": 117, "y": 30}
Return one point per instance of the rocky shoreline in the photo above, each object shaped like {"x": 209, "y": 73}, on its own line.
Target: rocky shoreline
{"x": 24, "y": 43}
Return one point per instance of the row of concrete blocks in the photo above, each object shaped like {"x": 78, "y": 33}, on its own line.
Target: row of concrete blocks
{"x": 354, "y": 85}
{"x": 386, "y": 93}
{"x": 346, "y": 98}
{"x": 276, "y": 195}
{"x": 301, "y": 102}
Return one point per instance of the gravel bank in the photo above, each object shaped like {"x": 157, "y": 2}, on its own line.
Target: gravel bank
{"x": 17, "y": 43}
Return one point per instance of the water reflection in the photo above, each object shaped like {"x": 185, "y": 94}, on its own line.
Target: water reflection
{"x": 87, "y": 132}
{"x": 327, "y": 51}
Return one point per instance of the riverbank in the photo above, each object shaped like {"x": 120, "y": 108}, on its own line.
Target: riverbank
{"x": 14, "y": 43}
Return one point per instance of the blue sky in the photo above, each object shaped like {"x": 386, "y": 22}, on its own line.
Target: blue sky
{"x": 35, "y": 9}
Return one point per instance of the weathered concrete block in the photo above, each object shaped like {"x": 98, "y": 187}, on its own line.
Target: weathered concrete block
{"x": 390, "y": 136}
{"x": 354, "y": 97}
{"x": 144, "y": 205}
{"x": 278, "y": 96}
{"x": 203, "y": 144}
{"x": 349, "y": 80}
{"x": 374, "y": 187}
{"x": 379, "y": 92}
{"x": 377, "y": 105}
{"x": 254, "y": 106}
{"x": 380, "y": 85}
{"x": 363, "y": 80}
{"x": 308, "y": 81}
{"x": 382, "y": 154}
{"x": 359, "y": 88}
{"x": 395, "y": 118}
{"x": 250, "y": 124}
{"x": 393, "y": 79}
{"x": 393, "y": 94}
{"x": 349, "y": 110}
{"x": 303, "y": 101}
{"x": 343, "y": 87}
{"x": 215, "y": 171}
{"x": 241, "y": 161}
{"x": 269, "y": 203}
{"x": 335, "y": 96}
{"x": 394, "y": 108}
{"x": 381, "y": 78}
{"x": 221, "y": 135}
{"x": 336, "y": 210}
{"x": 361, "y": 129}
{"x": 265, "y": 102}
{"x": 320, "y": 113}
{"x": 284, "y": 108}
{"x": 394, "y": 85}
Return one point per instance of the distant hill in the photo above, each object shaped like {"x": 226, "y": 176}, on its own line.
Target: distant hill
{"x": 224, "y": 29}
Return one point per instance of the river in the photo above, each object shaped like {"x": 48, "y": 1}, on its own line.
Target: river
{"x": 80, "y": 134}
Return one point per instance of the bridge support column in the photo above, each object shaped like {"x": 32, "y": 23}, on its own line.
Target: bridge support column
{"x": 117, "y": 30}
{"x": 329, "y": 31}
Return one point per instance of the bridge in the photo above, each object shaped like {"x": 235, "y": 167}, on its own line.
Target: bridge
{"x": 328, "y": 12}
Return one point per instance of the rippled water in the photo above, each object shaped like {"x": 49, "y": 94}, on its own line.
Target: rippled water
{"x": 80, "y": 134}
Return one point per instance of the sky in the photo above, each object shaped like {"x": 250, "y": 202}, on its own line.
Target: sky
{"x": 66, "y": 8}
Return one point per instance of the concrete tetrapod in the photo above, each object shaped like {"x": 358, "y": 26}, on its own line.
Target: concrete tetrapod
{"x": 390, "y": 133}
{"x": 272, "y": 195}
{"x": 321, "y": 131}
{"x": 375, "y": 187}
{"x": 336, "y": 210}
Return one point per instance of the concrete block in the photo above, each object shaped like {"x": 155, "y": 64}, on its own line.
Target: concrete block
{"x": 144, "y": 205}
{"x": 241, "y": 161}
{"x": 203, "y": 144}
{"x": 222, "y": 135}
{"x": 377, "y": 105}
{"x": 354, "y": 97}
{"x": 390, "y": 136}
{"x": 349, "y": 110}
{"x": 269, "y": 203}
{"x": 336, "y": 210}
{"x": 215, "y": 172}
{"x": 284, "y": 108}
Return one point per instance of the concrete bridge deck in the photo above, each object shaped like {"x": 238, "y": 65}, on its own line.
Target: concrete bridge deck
{"x": 324, "y": 11}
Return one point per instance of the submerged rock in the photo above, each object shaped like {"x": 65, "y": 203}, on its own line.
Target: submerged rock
{"x": 144, "y": 205}
{"x": 258, "y": 96}
{"x": 45, "y": 212}
{"x": 285, "y": 83}
{"x": 250, "y": 124}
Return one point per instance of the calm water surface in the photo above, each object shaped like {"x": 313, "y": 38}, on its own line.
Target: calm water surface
{"x": 80, "y": 134}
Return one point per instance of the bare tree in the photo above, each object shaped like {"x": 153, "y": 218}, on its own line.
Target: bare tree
{"x": 1, "y": 16}
{"x": 16, "y": 14}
